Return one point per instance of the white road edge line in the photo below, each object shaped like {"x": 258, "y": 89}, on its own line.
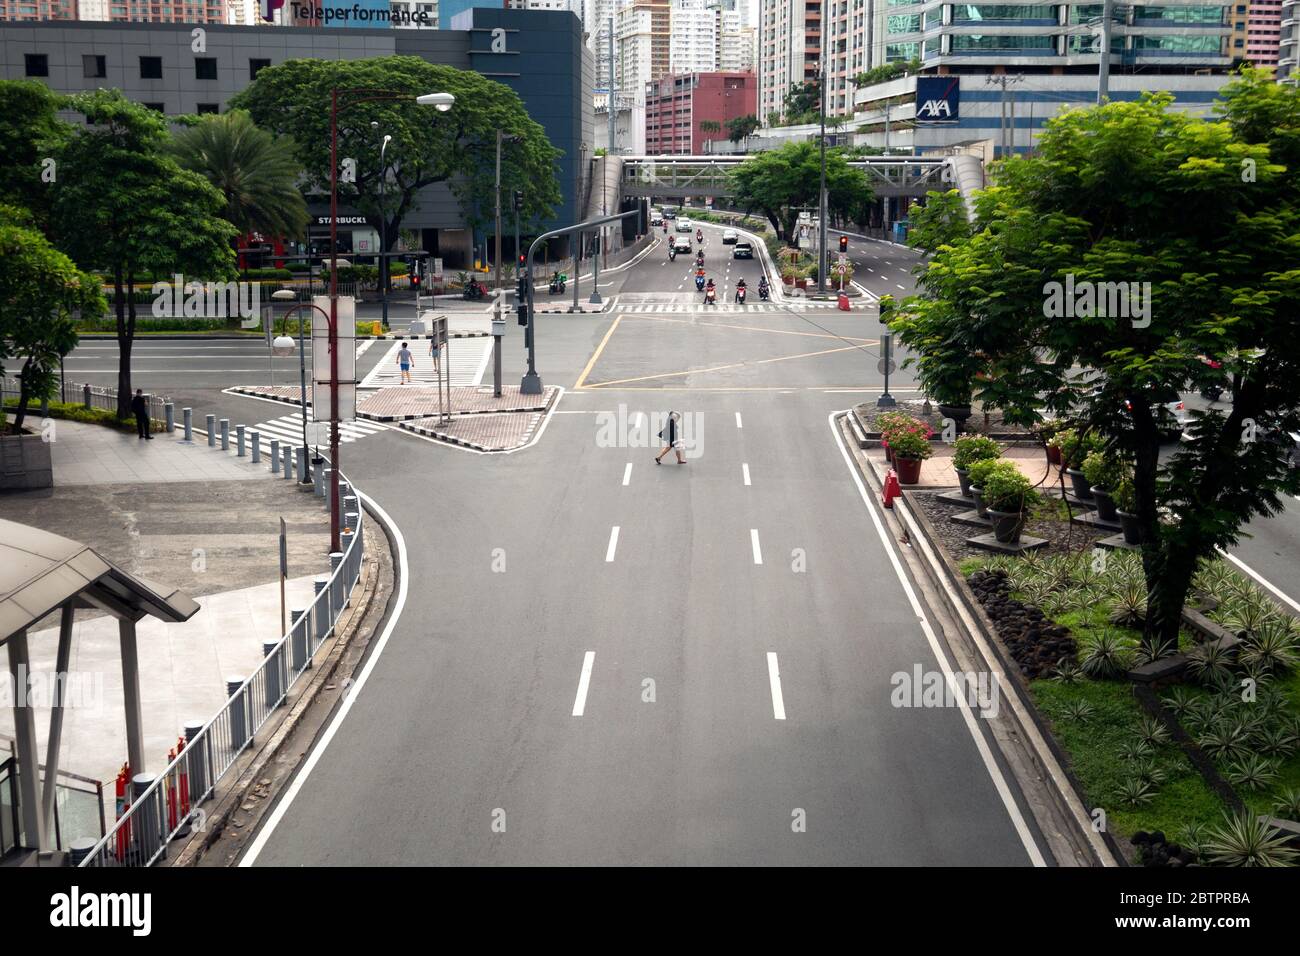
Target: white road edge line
{"x": 744, "y": 471}
{"x": 995, "y": 773}
{"x": 613, "y": 544}
{"x": 349, "y": 698}
{"x": 1277, "y": 592}
{"x": 774, "y": 679}
{"x": 580, "y": 702}
{"x": 753, "y": 543}
{"x": 627, "y": 474}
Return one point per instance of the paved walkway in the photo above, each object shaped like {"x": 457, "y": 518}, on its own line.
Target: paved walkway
{"x": 937, "y": 472}
{"x": 92, "y": 454}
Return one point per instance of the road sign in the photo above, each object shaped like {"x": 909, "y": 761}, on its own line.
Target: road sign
{"x": 886, "y": 366}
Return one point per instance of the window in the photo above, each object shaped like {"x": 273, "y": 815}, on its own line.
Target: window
{"x": 158, "y": 107}
{"x": 38, "y": 64}
{"x": 93, "y": 67}
{"x": 205, "y": 68}
{"x": 257, "y": 66}
{"x": 209, "y": 108}
{"x": 151, "y": 68}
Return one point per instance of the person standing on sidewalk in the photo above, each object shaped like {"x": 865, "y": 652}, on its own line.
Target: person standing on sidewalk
{"x": 671, "y": 434}
{"x": 404, "y": 362}
{"x": 141, "y": 409}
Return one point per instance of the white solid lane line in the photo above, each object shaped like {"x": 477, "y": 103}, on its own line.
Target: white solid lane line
{"x": 774, "y": 680}
{"x": 613, "y": 544}
{"x": 1277, "y": 592}
{"x": 580, "y": 702}
{"x": 744, "y": 471}
{"x": 753, "y": 543}
{"x": 627, "y": 474}
{"x": 738, "y": 422}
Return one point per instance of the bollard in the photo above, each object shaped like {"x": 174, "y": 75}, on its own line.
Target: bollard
{"x": 79, "y": 849}
{"x": 85, "y": 395}
{"x": 323, "y": 616}
{"x": 275, "y": 456}
{"x": 212, "y": 430}
{"x": 272, "y": 670}
{"x": 302, "y": 466}
{"x": 299, "y": 621}
{"x": 338, "y": 598}
{"x": 147, "y": 828}
{"x": 225, "y": 434}
{"x": 239, "y": 441}
{"x": 188, "y": 415}
{"x": 287, "y": 470}
{"x": 169, "y": 417}
{"x": 238, "y": 714}
{"x": 197, "y": 765}
{"x": 346, "y": 538}
{"x": 318, "y": 479}
{"x": 350, "y": 510}
{"x": 325, "y": 490}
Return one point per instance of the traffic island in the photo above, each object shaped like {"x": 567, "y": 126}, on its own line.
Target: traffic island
{"x": 485, "y": 432}
{"x": 405, "y": 403}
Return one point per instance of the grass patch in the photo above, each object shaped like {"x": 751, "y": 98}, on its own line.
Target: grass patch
{"x": 80, "y": 413}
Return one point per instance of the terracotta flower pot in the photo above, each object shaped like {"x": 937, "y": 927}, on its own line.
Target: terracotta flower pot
{"x": 1082, "y": 490}
{"x": 1105, "y": 505}
{"x": 1007, "y": 525}
{"x": 1054, "y": 454}
{"x": 909, "y": 470}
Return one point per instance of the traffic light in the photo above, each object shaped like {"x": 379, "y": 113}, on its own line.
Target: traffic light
{"x": 844, "y": 243}
{"x": 518, "y": 200}
{"x": 521, "y": 289}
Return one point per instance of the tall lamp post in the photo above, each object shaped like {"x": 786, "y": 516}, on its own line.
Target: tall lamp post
{"x": 821, "y": 194}
{"x": 385, "y": 268}
{"x": 442, "y": 102}
{"x": 497, "y": 324}
{"x": 284, "y": 295}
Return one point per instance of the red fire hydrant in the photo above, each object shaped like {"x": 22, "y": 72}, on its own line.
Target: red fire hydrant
{"x": 892, "y": 489}
{"x": 844, "y": 302}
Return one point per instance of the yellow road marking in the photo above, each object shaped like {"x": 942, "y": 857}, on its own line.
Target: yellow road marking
{"x": 596, "y": 354}
{"x": 752, "y": 328}
{"x": 719, "y": 368}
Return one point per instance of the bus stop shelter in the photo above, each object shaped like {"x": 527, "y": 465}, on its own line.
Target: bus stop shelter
{"x": 41, "y": 573}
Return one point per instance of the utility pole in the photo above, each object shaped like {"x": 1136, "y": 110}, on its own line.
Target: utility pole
{"x": 1103, "y": 58}
{"x": 1006, "y": 108}
{"x": 821, "y": 196}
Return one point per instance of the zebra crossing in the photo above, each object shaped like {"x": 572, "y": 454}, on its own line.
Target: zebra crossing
{"x": 287, "y": 429}
{"x": 468, "y": 359}
{"x": 679, "y": 303}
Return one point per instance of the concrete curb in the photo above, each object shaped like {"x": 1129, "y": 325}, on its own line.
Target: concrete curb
{"x": 432, "y": 435}
{"x": 250, "y": 392}
{"x": 240, "y": 792}
{"x": 1039, "y": 765}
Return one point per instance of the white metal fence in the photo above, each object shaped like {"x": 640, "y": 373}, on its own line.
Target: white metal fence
{"x": 88, "y": 396}
{"x": 167, "y": 805}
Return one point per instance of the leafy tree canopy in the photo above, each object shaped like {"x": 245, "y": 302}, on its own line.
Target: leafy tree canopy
{"x": 1202, "y": 225}
{"x": 741, "y": 126}
{"x": 776, "y": 182}
{"x": 457, "y": 147}
{"x": 31, "y": 133}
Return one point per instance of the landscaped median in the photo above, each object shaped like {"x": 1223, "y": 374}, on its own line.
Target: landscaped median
{"x": 80, "y": 413}
{"x": 1189, "y": 757}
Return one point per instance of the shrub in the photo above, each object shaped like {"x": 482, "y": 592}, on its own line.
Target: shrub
{"x": 910, "y": 444}
{"x": 1076, "y": 446}
{"x": 260, "y": 274}
{"x": 1006, "y": 489}
{"x": 1125, "y": 499}
{"x": 299, "y": 266}
{"x": 1102, "y": 470}
{"x": 979, "y": 470}
{"x": 972, "y": 448}
{"x": 1247, "y": 840}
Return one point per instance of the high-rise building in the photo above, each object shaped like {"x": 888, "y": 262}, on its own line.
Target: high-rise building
{"x": 1263, "y": 32}
{"x": 596, "y": 16}
{"x": 1288, "y": 56}
{"x": 38, "y": 10}
{"x": 685, "y": 114}
{"x": 117, "y": 11}
{"x": 693, "y": 46}
{"x": 789, "y": 49}
{"x": 414, "y": 14}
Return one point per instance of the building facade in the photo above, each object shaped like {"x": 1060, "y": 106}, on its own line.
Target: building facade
{"x": 38, "y": 10}
{"x": 1288, "y": 55}
{"x": 686, "y": 114}
{"x": 789, "y": 50}
{"x": 1264, "y": 32}
{"x": 544, "y": 62}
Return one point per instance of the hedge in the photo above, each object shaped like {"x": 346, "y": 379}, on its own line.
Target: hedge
{"x": 80, "y": 413}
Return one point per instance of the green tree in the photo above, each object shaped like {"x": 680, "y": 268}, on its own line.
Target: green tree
{"x": 255, "y": 171}
{"x": 941, "y": 221}
{"x": 126, "y": 207}
{"x": 31, "y": 133}
{"x": 1136, "y": 193}
{"x": 710, "y": 126}
{"x": 776, "y": 182}
{"x": 41, "y": 295}
{"x": 741, "y": 128}
{"x": 457, "y": 147}
{"x": 802, "y": 102}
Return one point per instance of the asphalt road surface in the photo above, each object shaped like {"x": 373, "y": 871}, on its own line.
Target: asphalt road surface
{"x": 601, "y": 660}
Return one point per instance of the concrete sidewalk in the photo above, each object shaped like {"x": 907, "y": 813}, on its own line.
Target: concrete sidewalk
{"x": 189, "y": 516}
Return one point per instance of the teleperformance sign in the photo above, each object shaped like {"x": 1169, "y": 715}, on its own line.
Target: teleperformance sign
{"x": 370, "y": 13}
{"x": 938, "y": 99}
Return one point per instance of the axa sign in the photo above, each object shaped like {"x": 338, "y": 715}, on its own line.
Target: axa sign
{"x": 269, "y": 7}
{"x": 938, "y": 99}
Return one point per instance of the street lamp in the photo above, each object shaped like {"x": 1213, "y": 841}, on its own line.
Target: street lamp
{"x": 498, "y": 324}
{"x": 280, "y": 340}
{"x": 384, "y": 265}
{"x": 442, "y": 102}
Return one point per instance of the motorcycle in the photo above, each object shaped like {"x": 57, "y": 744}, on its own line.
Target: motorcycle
{"x": 763, "y": 293}
{"x": 558, "y": 283}
{"x": 672, "y": 253}
{"x": 699, "y": 283}
{"x": 699, "y": 260}
{"x": 699, "y": 235}
{"x": 740, "y": 295}
{"x": 710, "y": 297}
{"x": 474, "y": 290}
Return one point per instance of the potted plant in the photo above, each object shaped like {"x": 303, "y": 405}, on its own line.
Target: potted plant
{"x": 1075, "y": 447}
{"x": 910, "y": 448}
{"x": 976, "y": 474}
{"x": 892, "y": 421}
{"x": 1125, "y": 506}
{"x": 1007, "y": 495}
{"x": 1103, "y": 472}
{"x": 969, "y": 449}
{"x": 1049, "y": 432}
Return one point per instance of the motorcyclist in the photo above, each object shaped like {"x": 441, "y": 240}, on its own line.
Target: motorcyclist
{"x": 699, "y": 259}
{"x": 699, "y": 277}
{"x": 740, "y": 290}
{"x": 699, "y": 235}
{"x": 710, "y": 292}
{"x": 672, "y": 252}
{"x": 763, "y": 290}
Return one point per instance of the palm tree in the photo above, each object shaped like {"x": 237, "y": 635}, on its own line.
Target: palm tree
{"x": 255, "y": 171}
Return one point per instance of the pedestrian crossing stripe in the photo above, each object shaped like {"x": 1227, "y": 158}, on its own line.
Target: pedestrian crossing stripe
{"x": 468, "y": 359}
{"x": 677, "y": 308}
{"x": 288, "y": 429}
